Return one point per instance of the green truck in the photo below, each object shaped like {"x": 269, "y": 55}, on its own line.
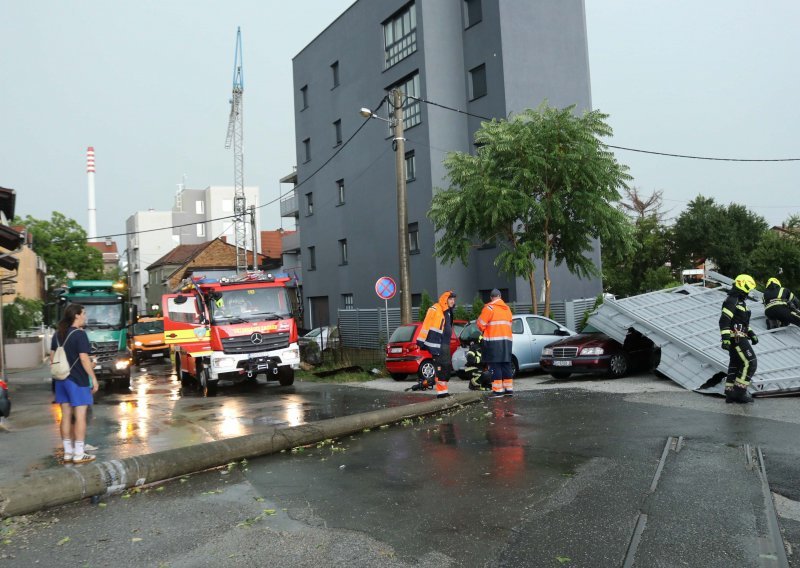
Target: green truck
{"x": 106, "y": 306}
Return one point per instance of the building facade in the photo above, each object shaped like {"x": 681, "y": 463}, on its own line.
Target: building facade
{"x": 487, "y": 57}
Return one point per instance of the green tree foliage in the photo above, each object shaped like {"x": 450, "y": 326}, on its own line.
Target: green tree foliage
{"x": 644, "y": 269}
{"x": 725, "y": 234}
{"x": 461, "y": 312}
{"x": 61, "y": 242}
{"x": 21, "y": 314}
{"x": 477, "y": 306}
{"x": 541, "y": 186}
{"x": 425, "y": 302}
{"x": 777, "y": 255}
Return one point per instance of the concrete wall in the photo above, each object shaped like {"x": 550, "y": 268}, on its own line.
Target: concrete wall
{"x": 27, "y": 354}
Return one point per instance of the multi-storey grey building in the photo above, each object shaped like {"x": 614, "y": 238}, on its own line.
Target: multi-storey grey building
{"x": 488, "y": 57}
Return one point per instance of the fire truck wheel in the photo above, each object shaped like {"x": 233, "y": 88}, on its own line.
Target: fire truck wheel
{"x": 207, "y": 386}
{"x": 285, "y": 376}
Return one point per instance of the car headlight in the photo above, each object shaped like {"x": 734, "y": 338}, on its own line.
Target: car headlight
{"x": 138, "y": 343}
{"x": 223, "y": 362}
{"x": 290, "y": 354}
{"x": 547, "y": 352}
{"x": 592, "y": 351}
{"x": 122, "y": 364}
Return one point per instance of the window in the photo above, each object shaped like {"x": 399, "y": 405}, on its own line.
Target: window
{"x": 337, "y": 131}
{"x": 347, "y": 301}
{"x": 340, "y": 191}
{"x": 400, "y": 35}
{"x": 516, "y": 326}
{"x": 412, "y": 113}
{"x": 413, "y": 238}
{"x": 416, "y": 300}
{"x": 304, "y": 97}
{"x": 312, "y": 258}
{"x": 472, "y": 12}
{"x": 227, "y": 205}
{"x": 199, "y": 207}
{"x": 477, "y": 82}
{"x": 335, "y": 73}
{"x": 307, "y": 150}
{"x": 310, "y": 203}
{"x": 201, "y": 229}
{"x": 343, "y": 251}
{"x": 411, "y": 166}
{"x": 539, "y": 326}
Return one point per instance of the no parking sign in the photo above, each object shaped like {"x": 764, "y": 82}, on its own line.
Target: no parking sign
{"x": 385, "y": 288}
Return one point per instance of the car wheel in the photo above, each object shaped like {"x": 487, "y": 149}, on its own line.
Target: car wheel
{"x": 427, "y": 370}
{"x": 515, "y": 364}
{"x": 399, "y": 376}
{"x": 617, "y": 365}
{"x": 560, "y": 375}
{"x": 285, "y": 376}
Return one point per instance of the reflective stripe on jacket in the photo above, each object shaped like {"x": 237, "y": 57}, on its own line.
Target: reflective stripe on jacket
{"x": 495, "y": 324}
{"x": 430, "y": 334}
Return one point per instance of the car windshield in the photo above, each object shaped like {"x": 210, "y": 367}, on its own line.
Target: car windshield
{"x": 103, "y": 316}
{"x": 403, "y": 334}
{"x": 145, "y": 327}
{"x": 249, "y": 304}
{"x": 589, "y": 329}
{"x": 314, "y": 332}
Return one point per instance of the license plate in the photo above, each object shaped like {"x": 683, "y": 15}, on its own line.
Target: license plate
{"x": 260, "y": 367}
{"x": 396, "y": 350}
{"x": 158, "y": 354}
{"x": 562, "y": 363}
{"x": 97, "y": 367}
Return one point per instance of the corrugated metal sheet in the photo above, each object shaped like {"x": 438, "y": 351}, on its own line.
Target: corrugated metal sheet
{"x": 683, "y": 322}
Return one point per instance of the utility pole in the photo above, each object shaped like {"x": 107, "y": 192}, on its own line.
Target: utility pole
{"x": 253, "y": 236}
{"x": 402, "y": 209}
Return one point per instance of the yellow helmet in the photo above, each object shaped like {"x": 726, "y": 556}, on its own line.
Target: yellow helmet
{"x": 774, "y": 281}
{"x": 745, "y": 283}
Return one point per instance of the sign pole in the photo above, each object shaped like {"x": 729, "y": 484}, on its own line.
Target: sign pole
{"x": 386, "y": 288}
{"x": 386, "y": 311}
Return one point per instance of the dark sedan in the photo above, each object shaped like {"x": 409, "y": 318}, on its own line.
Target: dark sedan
{"x": 593, "y": 352}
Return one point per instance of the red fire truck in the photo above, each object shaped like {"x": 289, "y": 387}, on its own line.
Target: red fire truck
{"x": 232, "y": 329}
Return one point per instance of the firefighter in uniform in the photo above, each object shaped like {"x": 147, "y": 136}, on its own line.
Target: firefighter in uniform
{"x": 780, "y": 304}
{"x": 495, "y": 324}
{"x": 736, "y": 336}
{"x": 480, "y": 378}
{"x": 434, "y": 336}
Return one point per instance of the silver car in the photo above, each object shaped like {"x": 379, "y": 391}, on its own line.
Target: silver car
{"x": 531, "y": 333}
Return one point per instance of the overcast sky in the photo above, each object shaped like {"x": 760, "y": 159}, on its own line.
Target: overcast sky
{"x": 148, "y": 84}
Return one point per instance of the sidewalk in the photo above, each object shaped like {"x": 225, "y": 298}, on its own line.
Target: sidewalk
{"x": 28, "y": 376}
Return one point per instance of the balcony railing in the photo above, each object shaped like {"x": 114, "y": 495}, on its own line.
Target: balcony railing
{"x": 289, "y": 206}
{"x": 290, "y": 242}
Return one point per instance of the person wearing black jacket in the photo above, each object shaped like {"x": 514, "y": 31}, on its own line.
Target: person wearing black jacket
{"x": 780, "y": 304}
{"x": 736, "y": 336}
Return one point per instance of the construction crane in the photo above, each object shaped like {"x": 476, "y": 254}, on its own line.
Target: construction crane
{"x": 234, "y": 138}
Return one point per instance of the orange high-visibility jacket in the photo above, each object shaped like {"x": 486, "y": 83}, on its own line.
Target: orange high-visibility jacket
{"x": 495, "y": 324}
{"x": 430, "y": 334}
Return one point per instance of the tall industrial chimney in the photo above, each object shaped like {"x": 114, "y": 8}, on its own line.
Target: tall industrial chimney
{"x": 92, "y": 230}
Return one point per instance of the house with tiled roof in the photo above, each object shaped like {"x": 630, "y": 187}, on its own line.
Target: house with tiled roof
{"x": 213, "y": 259}
{"x": 108, "y": 249}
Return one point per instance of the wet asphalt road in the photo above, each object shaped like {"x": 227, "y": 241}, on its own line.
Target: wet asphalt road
{"x": 553, "y": 477}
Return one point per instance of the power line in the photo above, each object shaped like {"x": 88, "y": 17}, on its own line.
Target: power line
{"x": 687, "y": 156}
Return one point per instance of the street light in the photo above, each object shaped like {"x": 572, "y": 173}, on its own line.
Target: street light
{"x": 402, "y": 208}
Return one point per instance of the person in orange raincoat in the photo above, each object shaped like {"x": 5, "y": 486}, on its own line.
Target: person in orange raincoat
{"x": 434, "y": 336}
{"x": 495, "y": 325}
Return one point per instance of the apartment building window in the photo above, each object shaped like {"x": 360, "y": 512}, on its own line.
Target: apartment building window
{"x": 342, "y": 252}
{"x": 200, "y": 207}
{"x": 477, "y": 82}
{"x": 201, "y": 229}
{"x": 400, "y": 35}
{"x": 337, "y": 131}
{"x": 309, "y": 203}
{"x": 335, "y": 73}
{"x": 347, "y": 301}
{"x": 312, "y": 258}
{"x": 307, "y": 150}
{"x": 412, "y": 112}
{"x": 413, "y": 238}
{"x": 473, "y": 13}
{"x": 304, "y": 97}
{"x": 411, "y": 166}
{"x": 340, "y": 191}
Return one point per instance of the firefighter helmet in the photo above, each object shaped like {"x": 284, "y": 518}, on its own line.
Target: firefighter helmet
{"x": 773, "y": 281}
{"x": 745, "y": 283}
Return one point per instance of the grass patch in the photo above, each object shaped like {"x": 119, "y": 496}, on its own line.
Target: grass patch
{"x": 358, "y": 377}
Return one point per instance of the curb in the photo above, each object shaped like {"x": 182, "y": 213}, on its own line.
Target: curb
{"x": 65, "y": 485}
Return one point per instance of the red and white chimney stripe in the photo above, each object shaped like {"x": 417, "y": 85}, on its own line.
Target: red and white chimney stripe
{"x": 90, "y": 160}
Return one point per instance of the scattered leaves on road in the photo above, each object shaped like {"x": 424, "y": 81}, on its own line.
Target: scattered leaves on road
{"x": 63, "y": 541}
{"x": 563, "y": 559}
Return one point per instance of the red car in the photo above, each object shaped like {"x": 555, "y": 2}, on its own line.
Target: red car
{"x": 593, "y": 352}
{"x": 404, "y": 357}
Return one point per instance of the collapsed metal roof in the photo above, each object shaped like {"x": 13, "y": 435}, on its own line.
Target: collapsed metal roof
{"x": 684, "y": 323}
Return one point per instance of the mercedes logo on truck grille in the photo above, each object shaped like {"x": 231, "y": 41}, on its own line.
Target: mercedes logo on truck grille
{"x": 256, "y": 338}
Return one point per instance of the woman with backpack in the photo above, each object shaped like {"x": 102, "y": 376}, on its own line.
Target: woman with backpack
{"x": 74, "y": 392}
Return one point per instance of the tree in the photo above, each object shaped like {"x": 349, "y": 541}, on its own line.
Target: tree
{"x": 21, "y": 314}
{"x": 541, "y": 186}
{"x": 707, "y": 230}
{"x": 425, "y": 302}
{"x": 477, "y": 306}
{"x": 61, "y": 242}
{"x": 777, "y": 255}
